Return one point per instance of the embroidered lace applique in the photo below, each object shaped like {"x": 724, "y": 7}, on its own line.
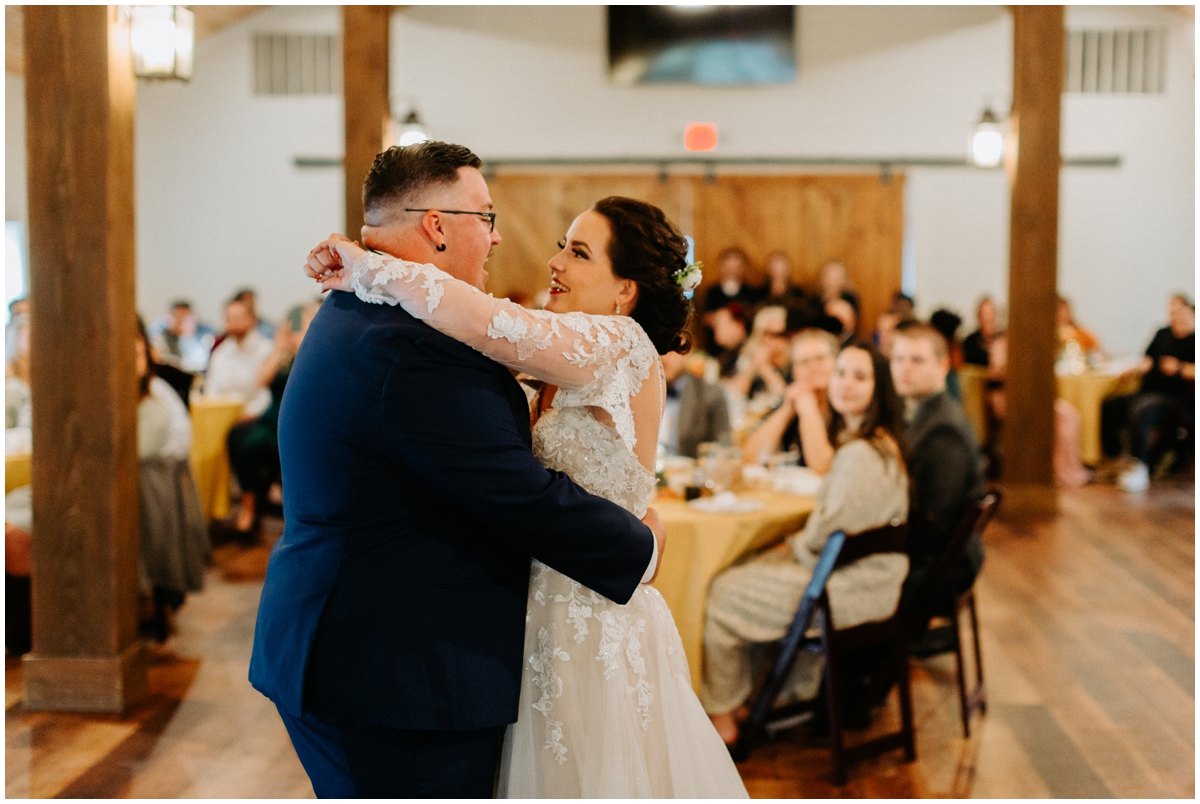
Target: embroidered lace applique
{"x": 550, "y": 684}
{"x": 580, "y": 601}
{"x": 518, "y": 331}
{"x": 622, "y": 354}
{"x": 376, "y": 270}
{"x": 643, "y": 689}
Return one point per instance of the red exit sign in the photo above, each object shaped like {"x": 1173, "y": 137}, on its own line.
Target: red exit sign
{"x": 700, "y": 136}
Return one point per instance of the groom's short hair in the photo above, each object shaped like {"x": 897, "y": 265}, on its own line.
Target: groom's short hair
{"x": 401, "y": 174}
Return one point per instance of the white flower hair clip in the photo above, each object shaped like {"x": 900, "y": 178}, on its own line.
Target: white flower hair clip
{"x": 689, "y": 277}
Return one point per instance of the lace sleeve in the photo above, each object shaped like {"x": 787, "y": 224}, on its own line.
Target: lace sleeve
{"x": 571, "y": 350}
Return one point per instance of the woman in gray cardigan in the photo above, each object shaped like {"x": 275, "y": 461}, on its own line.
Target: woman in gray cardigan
{"x": 867, "y": 486}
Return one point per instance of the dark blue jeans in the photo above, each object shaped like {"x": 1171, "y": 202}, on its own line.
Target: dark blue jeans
{"x": 1142, "y": 413}
{"x": 355, "y": 760}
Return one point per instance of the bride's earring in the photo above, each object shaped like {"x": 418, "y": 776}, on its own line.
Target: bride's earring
{"x": 441, "y": 247}
{"x": 618, "y": 308}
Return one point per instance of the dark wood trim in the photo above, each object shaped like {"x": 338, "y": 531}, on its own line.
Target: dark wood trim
{"x": 365, "y": 89}
{"x": 80, "y": 96}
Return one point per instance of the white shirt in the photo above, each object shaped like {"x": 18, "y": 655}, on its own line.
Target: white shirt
{"x": 179, "y": 442}
{"x": 650, "y": 570}
{"x": 233, "y": 371}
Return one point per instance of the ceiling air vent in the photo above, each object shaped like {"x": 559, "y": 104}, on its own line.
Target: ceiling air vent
{"x": 1123, "y": 62}
{"x": 296, "y": 64}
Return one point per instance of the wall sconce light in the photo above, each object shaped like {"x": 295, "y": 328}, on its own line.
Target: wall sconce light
{"x": 412, "y": 130}
{"x": 408, "y": 131}
{"x": 163, "y": 41}
{"x": 987, "y": 141}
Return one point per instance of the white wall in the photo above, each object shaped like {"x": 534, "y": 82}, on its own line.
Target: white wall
{"x": 220, "y": 203}
{"x": 1127, "y": 237}
{"x": 16, "y": 199}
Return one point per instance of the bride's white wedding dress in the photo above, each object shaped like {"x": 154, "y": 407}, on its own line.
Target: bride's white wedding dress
{"x": 607, "y": 707}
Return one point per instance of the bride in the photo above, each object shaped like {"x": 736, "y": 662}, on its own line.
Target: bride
{"x": 607, "y": 707}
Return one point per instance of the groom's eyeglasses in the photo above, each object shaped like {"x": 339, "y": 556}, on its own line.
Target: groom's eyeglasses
{"x": 490, "y": 217}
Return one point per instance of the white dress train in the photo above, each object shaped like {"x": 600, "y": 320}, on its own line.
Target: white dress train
{"x": 607, "y": 707}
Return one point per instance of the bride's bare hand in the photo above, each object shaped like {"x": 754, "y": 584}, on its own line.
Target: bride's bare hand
{"x": 327, "y": 266}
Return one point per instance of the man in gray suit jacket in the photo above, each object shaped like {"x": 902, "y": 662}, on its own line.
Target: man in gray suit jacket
{"x": 944, "y": 462}
{"x": 695, "y": 410}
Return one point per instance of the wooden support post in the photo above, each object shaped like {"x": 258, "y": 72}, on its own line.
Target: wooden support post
{"x": 80, "y": 95}
{"x": 365, "y": 90}
{"x": 1033, "y": 259}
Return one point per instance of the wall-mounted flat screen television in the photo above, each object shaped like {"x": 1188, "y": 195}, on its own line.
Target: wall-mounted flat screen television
{"x": 693, "y": 44}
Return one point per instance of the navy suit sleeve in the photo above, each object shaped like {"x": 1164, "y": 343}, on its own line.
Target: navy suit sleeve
{"x": 453, "y": 422}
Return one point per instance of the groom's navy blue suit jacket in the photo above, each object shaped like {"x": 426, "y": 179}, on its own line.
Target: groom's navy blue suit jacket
{"x": 396, "y": 595}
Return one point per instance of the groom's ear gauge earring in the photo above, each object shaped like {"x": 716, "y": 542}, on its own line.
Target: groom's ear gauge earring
{"x": 441, "y": 247}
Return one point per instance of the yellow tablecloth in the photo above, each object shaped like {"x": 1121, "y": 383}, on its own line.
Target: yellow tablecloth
{"x": 700, "y": 545}
{"x": 212, "y": 420}
{"x": 1085, "y": 391}
{"x": 18, "y": 471}
{"x": 973, "y": 382}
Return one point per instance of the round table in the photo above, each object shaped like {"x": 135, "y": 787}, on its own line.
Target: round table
{"x": 700, "y": 545}
{"x": 1086, "y": 391}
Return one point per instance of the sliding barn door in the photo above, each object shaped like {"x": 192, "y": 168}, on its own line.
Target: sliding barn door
{"x": 856, "y": 219}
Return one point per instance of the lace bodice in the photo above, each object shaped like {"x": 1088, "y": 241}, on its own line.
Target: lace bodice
{"x": 570, "y": 440}
{"x": 596, "y": 360}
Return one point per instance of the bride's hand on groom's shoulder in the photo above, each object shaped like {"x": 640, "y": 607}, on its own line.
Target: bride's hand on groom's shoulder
{"x": 328, "y": 260}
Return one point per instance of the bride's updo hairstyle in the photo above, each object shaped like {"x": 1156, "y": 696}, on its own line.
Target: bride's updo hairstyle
{"x": 647, "y": 249}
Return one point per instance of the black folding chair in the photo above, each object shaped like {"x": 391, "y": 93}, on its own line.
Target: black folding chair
{"x": 840, "y": 550}
{"x": 936, "y": 595}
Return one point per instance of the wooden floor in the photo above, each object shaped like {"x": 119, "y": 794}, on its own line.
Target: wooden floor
{"x": 1089, "y": 654}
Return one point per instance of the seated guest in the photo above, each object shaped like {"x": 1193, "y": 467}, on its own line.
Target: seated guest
{"x": 729, "y": 326}
{"x": 900, "y": 310}
{"x": 179, "y": 340}
{"x": 18, "y": 550}
{"x": 254, "y": 444}
{"x": 1069, "y": 471}
{"x": 1070, "y": 332}
{"x": 694, "y": 412}
{"x": 763, "y": 365}
{"x": 732, "y": 264}
{"x": 174, "y": 540}
{"x": 234, "y": 367}
{"x": 802, "y": 421}
{"x": 18, "y": 316}
{"x": 781, "y": 291}
{"x": 866, "y": 487}
{"x": 947, "y": 323}
{"x": 976, "y": 345}
{"x": 945, "y": 466}
{"x": 248, "y": 297}
{"x": 17, "y": 396}
{"x": 834, "y": 283}
{"x": 847, "y": 315}
{"x": 1165, "y": 401}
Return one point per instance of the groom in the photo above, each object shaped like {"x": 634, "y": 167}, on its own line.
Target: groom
{"x": 391, "y": 625}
